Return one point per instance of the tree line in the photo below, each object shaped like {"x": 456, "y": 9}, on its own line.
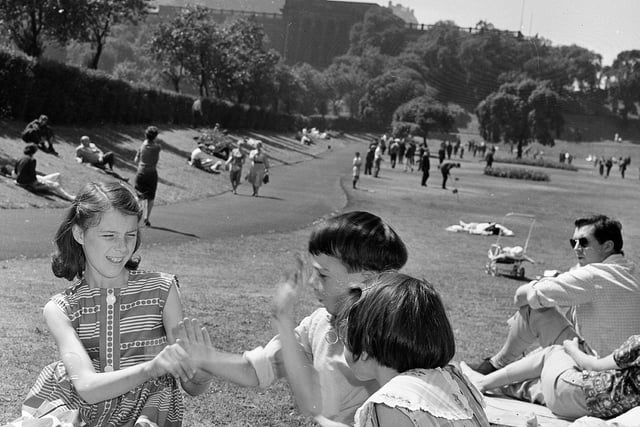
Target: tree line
{"x": 518, "y": 86}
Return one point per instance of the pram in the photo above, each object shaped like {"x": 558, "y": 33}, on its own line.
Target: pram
{"x": 508, "y": 260}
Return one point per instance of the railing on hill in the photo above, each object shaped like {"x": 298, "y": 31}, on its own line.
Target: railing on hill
{"x": 470, "y": 30}
{"x": 174, "y": 9}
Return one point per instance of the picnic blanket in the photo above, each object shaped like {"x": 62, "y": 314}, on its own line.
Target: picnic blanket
{"x": 480, "y": 228}
{"x": 504, "y": 411}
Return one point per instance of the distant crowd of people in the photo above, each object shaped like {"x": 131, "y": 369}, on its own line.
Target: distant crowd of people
{"x": 605, "y": 164}
{"x": 404, "y": 151}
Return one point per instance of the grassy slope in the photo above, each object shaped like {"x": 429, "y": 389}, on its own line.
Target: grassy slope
{"x": 227, "y": 284}
{"x": 178, "y": 181}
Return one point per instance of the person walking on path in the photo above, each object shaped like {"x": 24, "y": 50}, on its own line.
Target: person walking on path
{"x": 357, "y": 163}
{"x": 39, "y": 133}
{"x": 409, "y": 156}
{"x": 377, "y": 160}
{"x": 368, "y": 161}
{"x": 393, "y": 152}
{"x": 490, "y": 157}
{"x": 119, "y": 363}
{"x": 234, "y": 162}
{"x": 445, "y": 169}
{"x": 146, "y": 180}
{"x": 259, "y": 168}
{"x": 441, "y": 153}
{"x": 425, "y": 165}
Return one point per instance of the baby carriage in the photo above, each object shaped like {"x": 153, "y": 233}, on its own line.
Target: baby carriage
{"x": 508, "y": 260}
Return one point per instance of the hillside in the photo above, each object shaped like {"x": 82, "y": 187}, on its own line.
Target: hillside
{"x": 178, "y": 180}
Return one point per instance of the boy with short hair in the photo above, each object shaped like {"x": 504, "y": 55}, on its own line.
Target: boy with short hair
{"x": 344, "y": 250}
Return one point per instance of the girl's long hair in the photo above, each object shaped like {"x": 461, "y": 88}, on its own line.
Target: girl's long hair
{"x": 93, "y": 200}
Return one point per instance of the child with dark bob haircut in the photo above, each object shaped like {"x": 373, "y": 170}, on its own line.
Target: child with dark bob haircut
{"x": 119, "y": 362}
{"x": 343, "y": 250}
{"x": 395, "y": 330}
{"x": 361, "y": 241}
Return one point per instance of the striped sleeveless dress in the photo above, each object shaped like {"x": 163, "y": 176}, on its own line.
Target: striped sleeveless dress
{"x": 119, "y": 327}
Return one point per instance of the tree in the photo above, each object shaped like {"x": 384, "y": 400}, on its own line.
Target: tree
{"x": 388, "y": 91}
{"x": 251, "y": 67}
{"x": 380, "y": 29}
{"x": 438, "y": 49}
{"x": 91, "y": 21}
{"x": 545, "y": 114}
{"x": 347, "y": 82}
{"x": 623, "y": 81}
{"x": 520, "y": 111}
{"x": 193, "y": 42}
{"x": 420, "y": 116}
{"x": 28, "y": 22}
{"x": 314, "y": 89}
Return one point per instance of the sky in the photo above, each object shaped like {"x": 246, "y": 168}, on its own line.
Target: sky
{"x": 605, "y": 27}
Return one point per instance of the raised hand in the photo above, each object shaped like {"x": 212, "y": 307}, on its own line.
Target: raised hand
{"x": 287, "y": 291}
{"x": 194, "y": 339}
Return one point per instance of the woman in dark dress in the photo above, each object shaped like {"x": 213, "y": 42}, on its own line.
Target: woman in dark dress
{"x": 146, "y": 181}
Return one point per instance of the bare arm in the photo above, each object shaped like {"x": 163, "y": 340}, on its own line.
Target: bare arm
{"x": 171, "y": 316}
{"x": 586, "y": 361}
{"x": 299, "y": 369}
{"x": 229, "y": 366}
{"x": 95, "y": 387}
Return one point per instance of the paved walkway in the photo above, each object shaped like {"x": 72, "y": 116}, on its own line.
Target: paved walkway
{"x": 296, "y": 196}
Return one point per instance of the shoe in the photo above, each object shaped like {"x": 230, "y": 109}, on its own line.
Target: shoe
{"x": 485, "y": 367}
{"x": 147, "y": 223}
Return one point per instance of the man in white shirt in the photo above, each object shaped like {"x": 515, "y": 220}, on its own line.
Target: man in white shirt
{"x": 602, "y": 291}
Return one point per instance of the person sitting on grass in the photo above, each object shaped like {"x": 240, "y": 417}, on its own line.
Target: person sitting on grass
{"x": 200, "y": 159}
{"x": 38, "y": 132}
{"x": 118, "y": 362}
{"x": 28, "y": 177}
{"x": 597, "y": 387}
{"x": 88, "y": 152}
{"x": 343, "y": 250}
{"x": 395, "y": 332}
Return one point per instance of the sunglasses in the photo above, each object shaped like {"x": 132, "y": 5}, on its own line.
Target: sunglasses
{"x": 583, "y": 243}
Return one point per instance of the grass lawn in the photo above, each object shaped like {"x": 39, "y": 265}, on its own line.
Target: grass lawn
{"x": 227, "y": 284}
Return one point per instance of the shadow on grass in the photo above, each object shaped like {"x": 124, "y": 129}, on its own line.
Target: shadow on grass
{"x": 269, "y": 197}
{"x": 169, "y": 230}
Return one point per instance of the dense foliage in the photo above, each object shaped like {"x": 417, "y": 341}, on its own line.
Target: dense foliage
{"x": 520, "y": 112}
{"x": 420, "y": 116}
{"x": 514, "y": 173}
{"x": 385, "y": 67}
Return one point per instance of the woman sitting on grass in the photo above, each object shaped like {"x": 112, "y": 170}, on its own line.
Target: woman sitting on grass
{"x": 602, "y": 388}
{"x": 396, "y": 332}
{"x": 28, "y": 177}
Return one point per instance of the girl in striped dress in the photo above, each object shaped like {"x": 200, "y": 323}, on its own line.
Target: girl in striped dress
{"x": 119, "y": 363}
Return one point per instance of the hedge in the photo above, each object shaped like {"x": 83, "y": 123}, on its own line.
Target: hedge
{"x": 75, "y": 96}
{"x": 541, "y": 162}
{"x": 517, "y": 173}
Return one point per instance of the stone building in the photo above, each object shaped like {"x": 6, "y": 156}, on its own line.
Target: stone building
{"x": 312, "y": 31}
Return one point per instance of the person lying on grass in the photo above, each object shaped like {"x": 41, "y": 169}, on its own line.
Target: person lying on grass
{"x": 599, "y": 387}
{"x": 343, "y": 250}
{"x": 395, "y": 332}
